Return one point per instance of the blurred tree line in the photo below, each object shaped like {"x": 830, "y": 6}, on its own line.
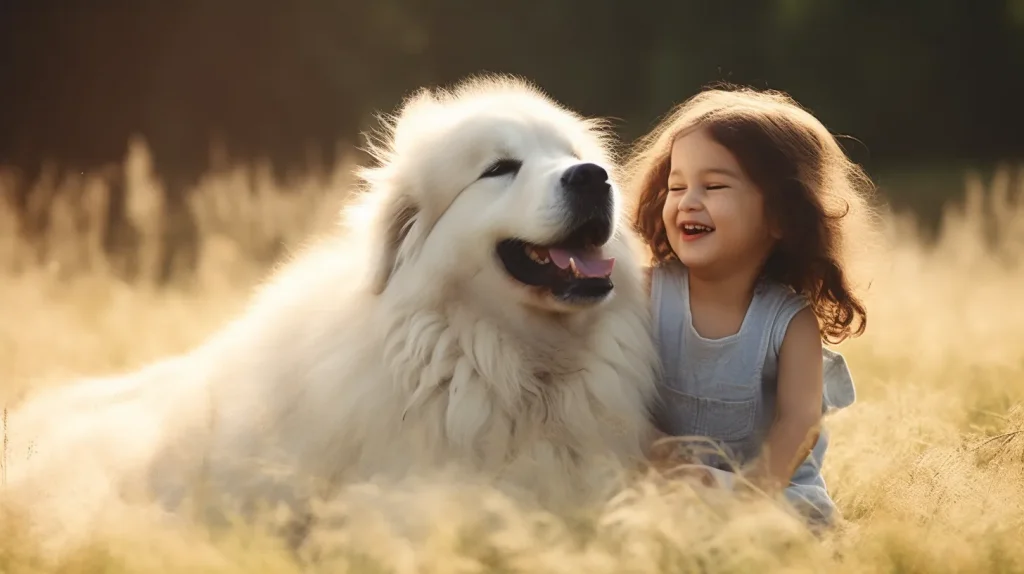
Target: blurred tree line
{"x": 912, "y": 80}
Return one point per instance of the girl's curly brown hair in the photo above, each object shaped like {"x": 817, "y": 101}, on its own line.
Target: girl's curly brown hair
{"x": 813, "y": 192}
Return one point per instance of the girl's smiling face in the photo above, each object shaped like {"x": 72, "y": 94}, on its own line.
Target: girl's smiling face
{"x": 714, "y": 214}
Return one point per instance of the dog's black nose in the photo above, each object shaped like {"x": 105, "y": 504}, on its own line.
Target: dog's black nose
{"x": 586, "y": 178}
{"x": 588, "y": 193}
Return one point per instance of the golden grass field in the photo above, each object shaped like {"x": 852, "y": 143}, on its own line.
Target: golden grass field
{"x": 927, "y": 466}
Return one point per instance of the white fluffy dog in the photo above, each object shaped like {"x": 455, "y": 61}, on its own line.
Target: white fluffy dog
{"x": 480, "y": 308}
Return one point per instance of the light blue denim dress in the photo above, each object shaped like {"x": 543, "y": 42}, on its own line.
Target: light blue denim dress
{"x": 725, "y": 389}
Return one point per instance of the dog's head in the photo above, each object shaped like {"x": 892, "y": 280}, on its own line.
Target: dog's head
{"x": 494, "y": 186}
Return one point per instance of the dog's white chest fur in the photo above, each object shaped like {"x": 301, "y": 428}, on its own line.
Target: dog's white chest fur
{"x": 447, "y": 390}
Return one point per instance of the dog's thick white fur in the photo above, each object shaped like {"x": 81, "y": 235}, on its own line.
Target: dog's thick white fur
{"x": 400, "y": 344}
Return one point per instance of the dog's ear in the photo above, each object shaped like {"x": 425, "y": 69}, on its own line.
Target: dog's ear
{"x": 397, "y": 219}
{"x": 399, "y": 214}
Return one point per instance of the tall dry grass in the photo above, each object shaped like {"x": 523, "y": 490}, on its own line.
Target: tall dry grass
{"x": 927, "y": 466}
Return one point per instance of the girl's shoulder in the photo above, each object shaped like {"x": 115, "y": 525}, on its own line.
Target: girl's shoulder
{"x": 781, "y": 296}
{"x": 780, "y": 304}
{"x": 839, "y": 388}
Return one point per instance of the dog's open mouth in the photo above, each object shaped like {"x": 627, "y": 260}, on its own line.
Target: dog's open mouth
{"x": 571, "y": 269}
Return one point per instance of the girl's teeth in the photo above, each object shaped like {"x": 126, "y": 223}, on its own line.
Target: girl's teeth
{"x": 696, "y": 227}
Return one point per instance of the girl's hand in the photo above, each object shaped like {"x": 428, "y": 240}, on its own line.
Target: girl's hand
{"x": 666, "y": 456}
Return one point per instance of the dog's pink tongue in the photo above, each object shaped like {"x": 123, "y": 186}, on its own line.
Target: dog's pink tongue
{"x": 588, "y": 265}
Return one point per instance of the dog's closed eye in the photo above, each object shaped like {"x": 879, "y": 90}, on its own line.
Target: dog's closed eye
{"x": 502, "y": 167}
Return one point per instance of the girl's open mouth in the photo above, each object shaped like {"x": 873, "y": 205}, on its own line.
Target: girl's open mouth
{"x": 694, "y": 231}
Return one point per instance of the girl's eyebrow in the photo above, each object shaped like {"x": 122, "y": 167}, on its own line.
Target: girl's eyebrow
{"x": 723, "y": 171}
{"x": 710, "y": 171}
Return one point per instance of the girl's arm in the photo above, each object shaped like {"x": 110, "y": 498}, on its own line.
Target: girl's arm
{"x": 798, "y": 406}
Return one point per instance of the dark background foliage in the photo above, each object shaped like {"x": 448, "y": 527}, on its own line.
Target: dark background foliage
{"x": 920, "y": 86}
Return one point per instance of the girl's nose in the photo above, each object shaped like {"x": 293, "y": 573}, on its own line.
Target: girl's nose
{"x": 691, "y": 201}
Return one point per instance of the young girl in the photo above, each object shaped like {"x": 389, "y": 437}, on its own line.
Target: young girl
{"x": 747, "y": 204}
